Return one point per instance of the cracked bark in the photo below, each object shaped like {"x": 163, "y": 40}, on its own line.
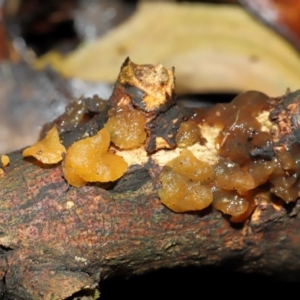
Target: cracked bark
{"x": 56, "y": 240}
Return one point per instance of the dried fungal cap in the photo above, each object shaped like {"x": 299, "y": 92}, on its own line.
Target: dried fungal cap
{"x": 49, "y": 150}
{"x": 155, "y": 82}
{"x": 4, "y": 160}
{"x": 88, "y": 160}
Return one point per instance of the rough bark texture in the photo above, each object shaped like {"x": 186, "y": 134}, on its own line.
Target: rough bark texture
{"x": 56, "y": 240}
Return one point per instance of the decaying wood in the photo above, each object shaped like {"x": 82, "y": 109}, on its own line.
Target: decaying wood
{"x": 57, "y": 240}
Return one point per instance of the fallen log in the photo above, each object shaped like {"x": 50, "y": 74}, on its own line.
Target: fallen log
{"x": 57, "y": 239}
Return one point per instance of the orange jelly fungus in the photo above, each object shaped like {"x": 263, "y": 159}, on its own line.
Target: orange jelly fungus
{"x": 4, "y": 160}
{"x": 185, "y": 182}
{"x": 127, "y": 128}
{"x": 88, "y": 160}
{"x": 49, "y": 150}
{"x": 229, "y": 176}
{"x": 188, "y": 134}
{"x": 70, "y": 173}
{"x": 190, "y": 184}
{"x": 230, "y": 202}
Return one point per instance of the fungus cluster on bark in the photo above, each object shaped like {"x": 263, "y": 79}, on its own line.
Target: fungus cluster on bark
{"x": 68, "y": 225}
{"x": 252, "y": 143}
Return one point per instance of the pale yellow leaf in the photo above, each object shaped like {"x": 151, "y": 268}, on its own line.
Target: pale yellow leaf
{"x": 214, "y": 48}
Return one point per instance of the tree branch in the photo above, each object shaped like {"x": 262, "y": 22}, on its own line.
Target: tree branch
{"x": 56, "y": 239}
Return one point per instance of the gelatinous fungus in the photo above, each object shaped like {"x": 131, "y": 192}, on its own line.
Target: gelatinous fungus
{"x": 188, "y": 134}
{"x": 70, "y": 173}
{"x": 254, "y": 142}
{"x": 253, "y": 151}
{"x": 49, "y": 150}
{"x": 89, "y": 160}
{"x": 229, "y": 176}
{"x": 4, "y": 160}
{"x": 126, "y": 128}
{"x": 77, "y": 112}
{"x": 185, "y": 183}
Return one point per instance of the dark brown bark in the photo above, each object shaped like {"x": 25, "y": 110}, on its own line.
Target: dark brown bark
{"x": 56, "y": 239}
